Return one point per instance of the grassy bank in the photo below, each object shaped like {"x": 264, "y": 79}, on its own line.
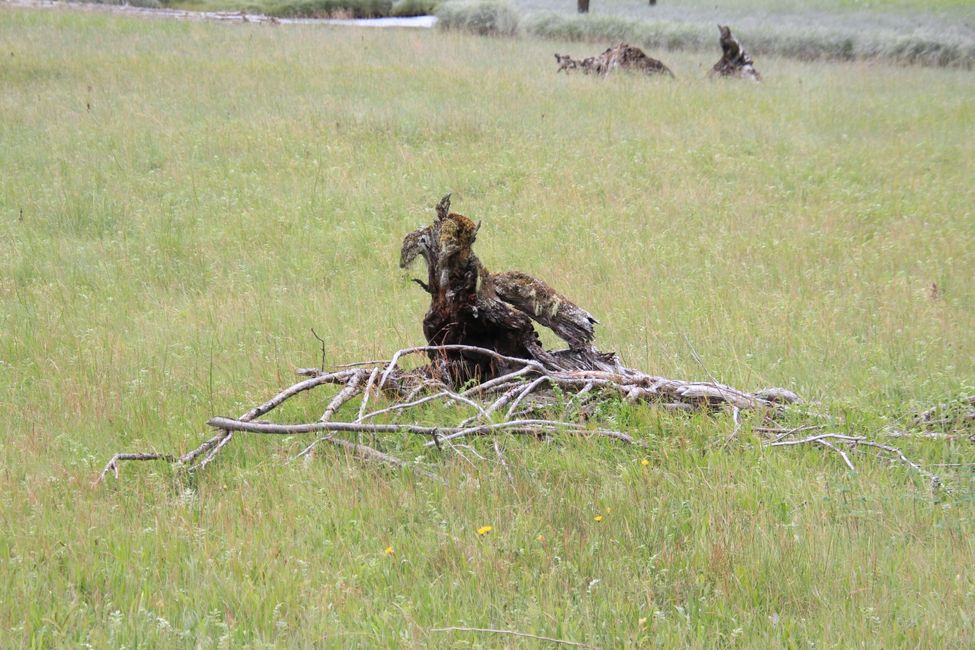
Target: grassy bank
{"x": 180, "y": 203}
{"x": 902, "y": 34}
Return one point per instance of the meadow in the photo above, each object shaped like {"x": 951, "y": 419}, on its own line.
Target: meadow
{"x": 181, "y": 203}
{"x": 940, "y": 33}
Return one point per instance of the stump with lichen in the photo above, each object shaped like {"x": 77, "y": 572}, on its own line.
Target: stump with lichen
{"x": 472, "y": 306}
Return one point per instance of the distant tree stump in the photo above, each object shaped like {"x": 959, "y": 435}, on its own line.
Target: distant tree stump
{"x": 582, "y": 6}
{"x": 735, "y": 61}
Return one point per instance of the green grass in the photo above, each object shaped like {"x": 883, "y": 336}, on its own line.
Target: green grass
{"x": 180, "y": 203}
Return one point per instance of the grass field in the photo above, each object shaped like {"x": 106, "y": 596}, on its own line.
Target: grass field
{"x": 181, "y": 203}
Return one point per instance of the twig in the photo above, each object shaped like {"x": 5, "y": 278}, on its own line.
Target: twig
{"x": 347, "y": 393}
{"x": 934, "y": 478}
{"x": 112, "y": 465}
{"x": 228, "y": 436}
{"x": 455, "y": 348}
{"x": 507, "y": 470}
{"x": 736, "y": 417}
{"x": 842, "y": 453}
{"x": 822, "y": 436}
{"x": 513, "y": 633}
{"x": 307, "y": 450}
{"x": 367, "y": 392}
{"x": 528, "y": 390}
{"x": 322, "y": 341}
{"x": 790, "y": 432}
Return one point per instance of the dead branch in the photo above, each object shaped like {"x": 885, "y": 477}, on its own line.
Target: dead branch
{"x": 834, "y": 440}
{"x": 843, "y": 454}
{"x": 112, "y": 465}
{"x": 347, "y": 393}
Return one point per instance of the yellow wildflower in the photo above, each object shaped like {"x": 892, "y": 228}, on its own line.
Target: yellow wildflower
{"x": 598, "y": 517}
{"x": 389, "y": 550}
{"x": 609, "y": 509}
{"x": 645, "y": 462}
{"x": 642, "y": 621}
{"x": 484, "y": 530}
{"x": 541, "y": 538}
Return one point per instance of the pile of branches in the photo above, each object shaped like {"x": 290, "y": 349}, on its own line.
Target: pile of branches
{"x": 510, "y": 403}
{"x": 484, "y": 355}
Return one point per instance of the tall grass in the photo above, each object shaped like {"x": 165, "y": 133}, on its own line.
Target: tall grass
{"x": 180, "y": 203}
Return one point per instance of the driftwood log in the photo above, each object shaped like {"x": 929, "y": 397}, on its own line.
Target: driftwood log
{"x": 735, "y": 61}
{"x": 619, "y": 57}
{"x": 484, "y": 355}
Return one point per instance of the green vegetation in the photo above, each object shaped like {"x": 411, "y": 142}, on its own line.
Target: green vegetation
{"x": 483, "y": 17}
{"x": 181, "y": 202}
{"x": 924, "y": 38}
{"x": 414, "y": 7}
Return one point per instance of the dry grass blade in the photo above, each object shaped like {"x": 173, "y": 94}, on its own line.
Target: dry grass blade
{"x": 484, "y": 630}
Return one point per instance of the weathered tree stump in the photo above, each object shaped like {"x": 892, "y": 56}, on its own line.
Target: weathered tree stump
{"x": 735, "y": 61}
{"x": 622, "y": 56}
{"x": 471, "y": 306}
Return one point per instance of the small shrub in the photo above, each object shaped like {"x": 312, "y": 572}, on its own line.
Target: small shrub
{"x": 405, "y": 8}
{"x": 330, "y": 8}
{"x": 488, "y": 18}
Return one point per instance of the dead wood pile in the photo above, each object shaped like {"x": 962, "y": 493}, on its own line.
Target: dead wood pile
{"x": 484, "y": 355}
{"x": 620, "y": 57}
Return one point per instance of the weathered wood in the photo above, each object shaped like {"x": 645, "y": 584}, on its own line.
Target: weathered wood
{"x": 622, "y": 56}
{"x": 470, "y": 306}
{"x": 735, "y": 61}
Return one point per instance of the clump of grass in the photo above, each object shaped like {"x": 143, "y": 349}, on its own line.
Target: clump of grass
{"x": 404, "y": 8}
{"x": 330, "y": 8}
{"x": 487, "y": 18}
{"x": 808, "y": 44}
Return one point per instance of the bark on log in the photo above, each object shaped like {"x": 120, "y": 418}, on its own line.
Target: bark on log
{"x": 735, "y": 61}
{"x": 471, "y": 306}
{"x": 622, "y": 56}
